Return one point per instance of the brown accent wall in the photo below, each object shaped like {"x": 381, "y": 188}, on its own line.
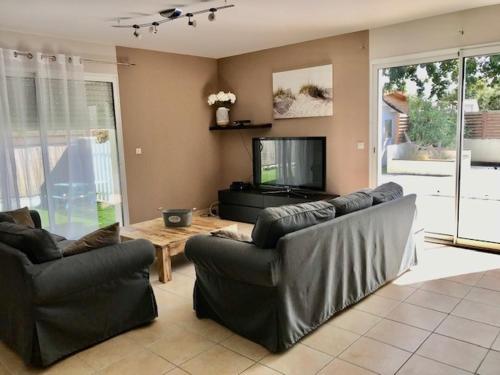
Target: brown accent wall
{"x": 164, "y": 111}
{"x": 249, "y": 76}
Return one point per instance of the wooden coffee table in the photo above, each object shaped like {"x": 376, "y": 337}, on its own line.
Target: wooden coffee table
{"x": 170, "y": 241}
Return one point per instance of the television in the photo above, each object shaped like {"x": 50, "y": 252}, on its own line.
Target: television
{"x": 289, "y": 163}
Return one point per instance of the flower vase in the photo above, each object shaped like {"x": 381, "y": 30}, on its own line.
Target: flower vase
{"x": 222, "y": 116}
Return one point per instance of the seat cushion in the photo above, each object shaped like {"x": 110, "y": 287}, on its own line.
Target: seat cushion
{"x": 386, "y": 192}
{"x": 352, "y": 202}
{"x": 37, "y": 244}
{"x": 275, "y": 222}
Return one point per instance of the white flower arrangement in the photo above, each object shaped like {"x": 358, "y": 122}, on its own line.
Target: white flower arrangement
{"x": 222, "y": 99}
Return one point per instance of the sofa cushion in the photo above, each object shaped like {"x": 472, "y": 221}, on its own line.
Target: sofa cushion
{"x": 274, "y": 222}
{"x": 231, "y": 235}
{"x": 21, "y": 216}
{"x": 102, "y": 237}
{"x": 352, "y": 202}
{"x": 37, "y": 244}
{"x": 386, "y": 192}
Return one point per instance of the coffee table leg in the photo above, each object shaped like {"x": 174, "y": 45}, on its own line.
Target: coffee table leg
{"x": 164, "y": 265}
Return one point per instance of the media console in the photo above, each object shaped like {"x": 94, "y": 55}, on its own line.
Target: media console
{"x": 245, "y": 205}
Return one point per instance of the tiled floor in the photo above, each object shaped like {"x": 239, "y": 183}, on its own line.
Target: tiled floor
{"x": 442, "y": 317}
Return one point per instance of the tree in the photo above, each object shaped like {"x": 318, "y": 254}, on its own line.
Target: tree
{"x": 431, "y": 124}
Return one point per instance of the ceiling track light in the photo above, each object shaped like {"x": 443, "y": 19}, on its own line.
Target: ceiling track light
{"x": 191, "y": 21}
{"x": 211, "y": 15}
{"x": 172, "y": 14}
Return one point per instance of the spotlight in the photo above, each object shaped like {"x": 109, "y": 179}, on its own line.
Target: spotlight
{"x": 171, "y": 13}
{"x": 136, "y": 31}
{"x": 211, "y": 15}
{"x": 191, "y": 21}
{"x": 153, "y": 29}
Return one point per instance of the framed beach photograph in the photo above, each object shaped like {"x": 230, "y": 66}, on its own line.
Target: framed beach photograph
{"x": 303, "y": 92}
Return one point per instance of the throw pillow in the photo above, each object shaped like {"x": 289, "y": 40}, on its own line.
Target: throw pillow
{"x": 386, "y": 192}
{"x": 352, "y": 202}
{"x": 275, "y": 222}
{"x": 21, "y": 216}
{"x": 103, "y": 237}
{"x": 232, "y": 235}
{"x": 37, "y": 244}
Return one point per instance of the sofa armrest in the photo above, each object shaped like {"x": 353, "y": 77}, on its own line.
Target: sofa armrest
{"x": 35, "y": 216}
{"x": 76, "y": 273}
{"x": 241, "y": 261}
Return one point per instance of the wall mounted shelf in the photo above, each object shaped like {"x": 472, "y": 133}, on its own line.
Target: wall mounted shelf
{"x": 241, "y": 127}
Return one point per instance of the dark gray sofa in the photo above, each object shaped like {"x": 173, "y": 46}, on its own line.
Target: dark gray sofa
{"x": 276, "y": 296}
{"x": 53, "y": 309}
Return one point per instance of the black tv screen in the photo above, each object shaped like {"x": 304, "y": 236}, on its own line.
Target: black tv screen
{"x": 292, "y": 162}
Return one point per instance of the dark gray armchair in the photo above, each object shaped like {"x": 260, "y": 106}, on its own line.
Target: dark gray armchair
{"x": 53, "y": 309}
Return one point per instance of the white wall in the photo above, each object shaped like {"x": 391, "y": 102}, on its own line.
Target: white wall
{"x": 49, "y": 45}
{"x": 480, "y": 26}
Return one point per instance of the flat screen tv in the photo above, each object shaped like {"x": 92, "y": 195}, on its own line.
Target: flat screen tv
{"x": 290, "y": 163}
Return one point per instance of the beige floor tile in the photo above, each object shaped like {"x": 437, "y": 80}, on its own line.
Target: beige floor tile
{"x": 489, "y": 282}
{"x": 143, "y": 362}
{"x": 491, "y": 364}
{"x": 177, "y": 371}
{"x": 417, "y": 316}
{"x": 418, "y": 365}
{"x": 109, "y": 352}
{"x": 496, "y": 344}
{"x": 217, "y": 361}
{"x": 340, "y": 367}
{"x": 181, "y": 285}
{"x": 13, "y": 363}
{"x": 245, "y": 347}
{"x": 180, "y": 345}
{"x": 375, "y": 356}
{"x": 450, "y": 288}
{"x": 468, "y": 330}
{"x": 204, "y": 327}
{"x": 181, "y": 265}
{"x": 397, "y": 292}
{"x": 489, "y": 297}
{"x": 3, "y": 370}
{"x": 433, "y": 301}
{"x": 466, "y": 278}
{"x": 355, "y": 321}
{"x": 259, "y": 369}
{"x": 376, "y": 305}
{"x": 452, "y": 352}
{"x": 330, "y": 339}
{"x": 150, "y": 333}
{"x": 398, "y": 334}
{"x": 478, "y": 311}
{"x": 298, "y": 360}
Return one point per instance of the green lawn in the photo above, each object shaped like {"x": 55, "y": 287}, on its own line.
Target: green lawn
{"x": 269, "y": 175}
{"x": 106, "y": 215}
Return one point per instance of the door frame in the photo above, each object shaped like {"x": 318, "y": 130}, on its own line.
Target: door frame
{"x": 113, "y": 79}
{"x": 459, "y": 53}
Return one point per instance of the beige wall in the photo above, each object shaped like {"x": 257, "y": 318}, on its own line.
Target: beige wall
{"x": 480, "y": 25}
{"x": 164, "y": 112}
{"x": 250, "y": 77}
{"x": 46, "y": 44}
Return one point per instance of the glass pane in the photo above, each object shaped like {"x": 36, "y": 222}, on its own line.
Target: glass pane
{"x": 480, "y": 171}
{"x": 417, "y": 130}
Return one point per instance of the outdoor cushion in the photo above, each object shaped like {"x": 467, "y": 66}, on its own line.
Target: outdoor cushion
{"x": 386, "y": 192}
{"x": 352, "y": 202}
{"x": 275, "y": 222}
{"x": 37, "y": 244}
{"x": 102, "y": 237}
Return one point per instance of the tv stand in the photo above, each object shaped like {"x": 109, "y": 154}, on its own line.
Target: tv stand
{"x": 246, "y": 205}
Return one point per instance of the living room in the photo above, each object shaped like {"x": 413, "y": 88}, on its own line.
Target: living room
{"x": 226, "y": 187}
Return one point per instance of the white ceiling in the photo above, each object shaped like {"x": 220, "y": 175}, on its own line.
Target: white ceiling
{"x": 251, "y": 25}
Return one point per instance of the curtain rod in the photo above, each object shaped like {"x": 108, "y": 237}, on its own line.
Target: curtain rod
{"x": 29, "y": 55}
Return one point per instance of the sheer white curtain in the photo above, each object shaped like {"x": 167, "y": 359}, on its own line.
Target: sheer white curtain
{"x": 45, "y": 141}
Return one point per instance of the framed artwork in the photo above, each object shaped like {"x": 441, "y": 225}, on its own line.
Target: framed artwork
{"x": 303, "y": 92}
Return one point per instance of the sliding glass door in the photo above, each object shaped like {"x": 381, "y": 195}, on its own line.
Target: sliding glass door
{"x": 479, "y": 205}
{"x": 417, "y": 135}
{"x": 439, "y": 137}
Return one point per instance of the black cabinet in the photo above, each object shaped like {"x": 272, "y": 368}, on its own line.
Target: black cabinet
{"x": 246, "y": 205}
